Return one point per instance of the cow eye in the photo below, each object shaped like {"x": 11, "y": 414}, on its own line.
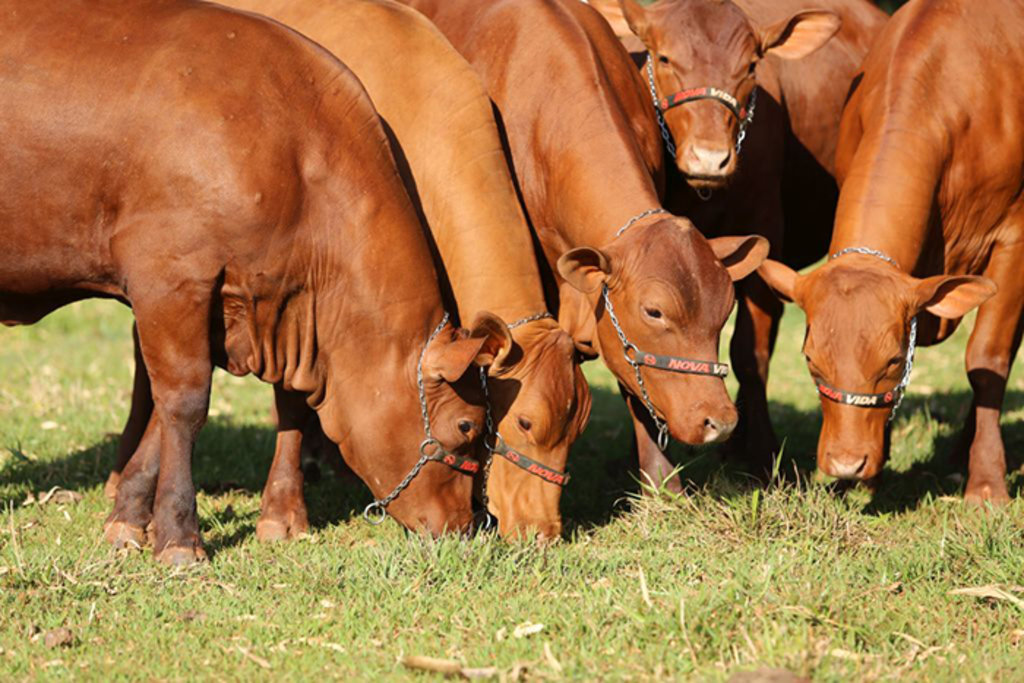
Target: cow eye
{"x": 652, "y": 313}
{"x": 524, "y": 424}
{"x": 465, "y": 426}
{"x": 752, "y": 68}
{"x": 895, "y": 360}
{"x": 663, "y": 59}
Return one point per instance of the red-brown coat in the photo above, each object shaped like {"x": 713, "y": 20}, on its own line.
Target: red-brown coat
{"x": 781, "y": 185}
{"x": 250, "y": 213}
{"x": 931, "y": 162}
{"x": 441, "y": 123}
{"x": 587, "y": 157}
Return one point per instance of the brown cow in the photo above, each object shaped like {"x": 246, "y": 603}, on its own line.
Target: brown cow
{"x": 750, "y": 95}
{"x": 251, "y": 214}
{"x": 441, "y": 120}
{"x": 587, "y": 158}
{"x": 931, "y": 168}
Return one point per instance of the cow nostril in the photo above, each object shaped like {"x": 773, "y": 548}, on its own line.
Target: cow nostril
{"x": 725, "y": 160}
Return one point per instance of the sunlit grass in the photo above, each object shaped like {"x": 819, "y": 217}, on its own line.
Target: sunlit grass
{"x": 730, "y": 577}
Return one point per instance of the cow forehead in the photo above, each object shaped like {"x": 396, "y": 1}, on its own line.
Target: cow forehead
{"x": 678, "y": 256}
{"x": 703, "y": 24}
{"x": 854, "y": 303}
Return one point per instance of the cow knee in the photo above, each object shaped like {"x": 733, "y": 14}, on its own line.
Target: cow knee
{"x": 184, "y": 409}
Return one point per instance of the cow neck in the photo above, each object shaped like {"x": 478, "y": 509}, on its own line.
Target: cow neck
{"x": 888, "y": 195}
{"x": 582, "y": 165}
{"x": 448, "y": 148}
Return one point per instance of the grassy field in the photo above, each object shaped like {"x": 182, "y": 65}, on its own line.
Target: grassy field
{"x": 730, "y": 578}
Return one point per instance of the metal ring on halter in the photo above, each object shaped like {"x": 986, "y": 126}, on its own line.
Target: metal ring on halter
{"x": 663, "y": 437}
{"x": 427, "y": 443}
{"x": 381, "y": 515}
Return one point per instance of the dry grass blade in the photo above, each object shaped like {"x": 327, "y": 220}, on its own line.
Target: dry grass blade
{"x": 990, "y": 592}
{"x": 258, "y": 661}
{"x": 448, "y": 667}
{"x": 646, "y": 594}
{"x": 550, "y": 657}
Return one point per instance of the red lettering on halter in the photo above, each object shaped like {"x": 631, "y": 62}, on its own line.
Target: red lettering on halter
{"x": 545, "y": 474}
{"x": 888, "y": 397}
{"x": 690, "y": 366}
{"x": 513, "y": 456}
{"x": 649, "y": 359}
{"x": 449, "y": 460}
{"x": 831, "y": 393}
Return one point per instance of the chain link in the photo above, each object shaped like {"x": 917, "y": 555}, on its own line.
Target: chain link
{"x": 637, "y": 218}
{"x": 529, "y": 319}
{"x": 627, "y": 346}
{"x": 666, "y": 134}
{"x": 747, "y": 120}
{"x": 376, "y": 512}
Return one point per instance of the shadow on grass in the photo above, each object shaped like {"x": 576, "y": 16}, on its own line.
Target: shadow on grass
{"x": 603, "y": 467}
{"x": 231, "y": 456}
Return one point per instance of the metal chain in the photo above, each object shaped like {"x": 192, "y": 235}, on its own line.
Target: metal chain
{"x": 666, "y": 134}
{"x": 484, "y": 498}
{"x": 637, "y": 218}
{"x": 627, "y": 346}
{"x": 742, "y": 134}
{"x": 426, "y": 455}
{"x": 529, "y": 319}
{"x": 908, "y": 365}
{"x": 865, "y": 250}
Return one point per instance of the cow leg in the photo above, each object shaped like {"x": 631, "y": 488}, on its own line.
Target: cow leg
{"x": 750, "y": 350}
{"x": 126, "y": 525}
{"x": 990, "y": 352}
{"x": 138, "y": 419}
{"x": 174, "y": 336}
{"x": 283, "y": 508}
{"x": 654, "y": 466}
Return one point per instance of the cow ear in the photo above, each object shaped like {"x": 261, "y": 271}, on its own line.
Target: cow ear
{"x": 800, "y": 35}
{"x": 780, "y": 277}
{"x": 636, "y": 17}
{"x": 740, "y": 255}
{"x": 497, "y": 339}
{"x": 584, "y": 268}
{"x": 953, "y": 296}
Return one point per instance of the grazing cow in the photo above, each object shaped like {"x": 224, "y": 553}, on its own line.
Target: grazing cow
{"x": 749, "y": 95}
{"x": 640, "y": 287}
{"x": 931, "y": 165}
{"x": 441, "y": 122}
{"x": 250, "y": 213}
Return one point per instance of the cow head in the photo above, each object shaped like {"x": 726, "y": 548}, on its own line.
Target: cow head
{"x": 541, "y": 402}
{"x": 672, "y": 291}
{"x": 859, "y": 310}
{"x": 712, "y": 44}
{"x": 385, "y": 426}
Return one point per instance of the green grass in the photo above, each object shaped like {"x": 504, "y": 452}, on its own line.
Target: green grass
{"x": 730, "y": 578}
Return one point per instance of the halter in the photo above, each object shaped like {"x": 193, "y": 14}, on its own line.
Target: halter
{"x": 430, "y": 448}
{"x": 500, "y": 447}
{"x": 745, "y": 115}
{"x": 638, "y": 359}
{"x": 888, "y": 398}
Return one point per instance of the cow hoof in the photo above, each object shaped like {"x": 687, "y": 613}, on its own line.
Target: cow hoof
{"x": 123, "y": 535}
{"x": 181, "y": 556}
{"x": 275, "y": 530}
{"x": 110, "y": 488}
{"x": 979, "y": 494}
